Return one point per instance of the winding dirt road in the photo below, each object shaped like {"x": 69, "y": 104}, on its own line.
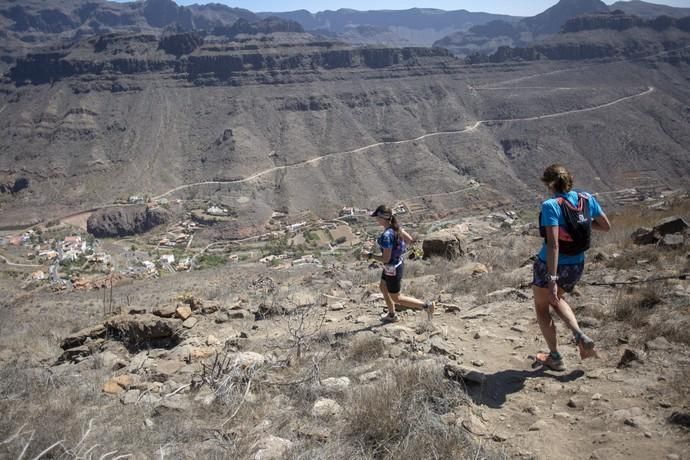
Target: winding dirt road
{"x": 470, "y": 128}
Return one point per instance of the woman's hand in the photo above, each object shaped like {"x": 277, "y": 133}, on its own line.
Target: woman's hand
{"x": 553, "y": 293}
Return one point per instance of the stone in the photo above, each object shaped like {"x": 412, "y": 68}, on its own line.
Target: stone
{"x": 174, "y": 404}
{"x": 478, "y": 363}
{"x": 596, "y": 396}
{"x": 272, "y": 448}
{"x": 212, "y": 340}
{"x": 326, "y": 408}
{"x": 507, "y": 292}
{"x": 336, "y": 306}
{"x": 112, "y": 388}
{"x": 76, "y": 354}
{"x": 644, "y": 235}
{"x": 563, "y": 416}
{"x": 247, "y": 359}
{"x": 669, "y": 225}
{"x": 130, "y": 397}
{"x": 680, "y": 418}
{"x": 183, "y": 312}
{"x": 142, "y": 329}
{"x": 463, "y": 374}
{"x": 345, "y": 285}
{"x": 440, "y": 347}
{"x": 190, "y": 322}
{"x": 336, "y": 383}
{"x": 675, "y": 240}
{"x": 168, "y": 367}
{"x": 124, "y": 380}
{"x": 628, "y": 357}
{"x": 78, "y": 338}
{"x": 538, "y": 425}
{"x": 572, "y": 403}
{"x": 238, "y": 314}
{"x": 369, "y": 376}
{"x": 444, "y": 243}
{"x": 474, "y": 425}
{"x": 518, "y": 328}
{"x": 658, "y": 344}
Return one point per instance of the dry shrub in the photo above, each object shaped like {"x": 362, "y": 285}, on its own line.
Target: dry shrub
{"x": 635, "y": 257}
{"x": 44, "y": 411}
{"x": 624, "y": 223}
{"x": 636, "y": 304}
{"x": 400, "y": 416}
{"x": 674, "y": 328}
{"x": 366, "y": 348}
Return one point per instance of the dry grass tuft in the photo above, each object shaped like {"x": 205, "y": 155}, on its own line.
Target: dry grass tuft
{"x": 400, "y": 417}
{"x": 367, "y": 348}
{"x": 636, "y": 304}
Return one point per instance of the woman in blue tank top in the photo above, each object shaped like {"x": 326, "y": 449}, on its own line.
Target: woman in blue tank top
{"x": 554, "y": 273}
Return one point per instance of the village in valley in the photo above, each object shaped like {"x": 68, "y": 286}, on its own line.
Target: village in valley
{"x": 63, "y": 255}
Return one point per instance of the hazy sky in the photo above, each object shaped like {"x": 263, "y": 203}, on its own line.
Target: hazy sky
{"x": 511, "y": 7}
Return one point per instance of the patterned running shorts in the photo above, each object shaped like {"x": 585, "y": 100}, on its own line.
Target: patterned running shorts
{"x": 568, "y": 275}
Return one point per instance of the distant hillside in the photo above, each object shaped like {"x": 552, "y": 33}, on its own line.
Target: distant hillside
{"x": 604, "y": 35}
{"x": 649, "y": 10}
{"x": 486, "y": 39}
{"x": 416, "y": 26}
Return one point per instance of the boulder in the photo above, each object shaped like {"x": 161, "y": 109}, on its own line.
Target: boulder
{"x": 445, "y": 243}
{"x": 326, "y": 408}
{"x": 125, "y": 220}
{"x": 78, "y": 338}
{"x": 644, "y": 235}
{"x": 674, "y": 240}
{"x": 673, "y": 224}
{"x": 143, "y": 329}
{"x": 272, "y": 448}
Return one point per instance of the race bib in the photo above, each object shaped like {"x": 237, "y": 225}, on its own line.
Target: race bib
{"x": 390, "y": 270}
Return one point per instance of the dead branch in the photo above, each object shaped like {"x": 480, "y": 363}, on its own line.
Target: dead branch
{"x": 14, "y": 436}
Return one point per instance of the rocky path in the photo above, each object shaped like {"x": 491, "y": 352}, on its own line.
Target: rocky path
{"x": 592, "y": 410}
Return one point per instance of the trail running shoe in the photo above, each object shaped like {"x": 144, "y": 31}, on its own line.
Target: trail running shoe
{"x": 546, "y": 360}
{"x": 586, "y": 346}
{"x": 390, "y": 318}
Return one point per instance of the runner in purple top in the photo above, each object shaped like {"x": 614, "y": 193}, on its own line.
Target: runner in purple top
{"x": 393, "y": 242}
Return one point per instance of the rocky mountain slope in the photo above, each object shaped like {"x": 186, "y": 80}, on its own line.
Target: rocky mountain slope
{"x": 487, "y": 38}
{"x": 413, "y": 27}
{"x": 273, "y": 119}
{"x": 606, "y": 35}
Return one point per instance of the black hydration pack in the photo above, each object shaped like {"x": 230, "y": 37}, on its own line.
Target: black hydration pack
{"x": 576, "y": 237}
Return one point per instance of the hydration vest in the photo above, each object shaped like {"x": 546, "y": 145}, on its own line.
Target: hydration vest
{"x": 576, "y": 236}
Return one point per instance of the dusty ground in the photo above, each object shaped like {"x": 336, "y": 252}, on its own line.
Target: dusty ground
{"x": 310, "y": 325}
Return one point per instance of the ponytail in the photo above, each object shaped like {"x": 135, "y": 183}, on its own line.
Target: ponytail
{"x": 558, "y": 177}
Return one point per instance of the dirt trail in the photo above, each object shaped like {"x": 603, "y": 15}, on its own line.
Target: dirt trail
{"x": 591, "y": 410}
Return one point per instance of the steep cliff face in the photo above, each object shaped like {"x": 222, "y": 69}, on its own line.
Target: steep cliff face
{"x": 619, "y": 21}
{"x": 185, "y": 54}
{"x": 602, "y": 36}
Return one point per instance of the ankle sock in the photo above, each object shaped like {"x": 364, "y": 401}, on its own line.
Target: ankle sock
{"x": 555, "y": 355}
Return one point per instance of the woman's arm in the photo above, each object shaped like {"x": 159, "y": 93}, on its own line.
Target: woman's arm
{"x": 601, "y": 223}
{"x": 552, "y": 262}
{"x": 386, "y": 255}
{"x": 407, "y": 237}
